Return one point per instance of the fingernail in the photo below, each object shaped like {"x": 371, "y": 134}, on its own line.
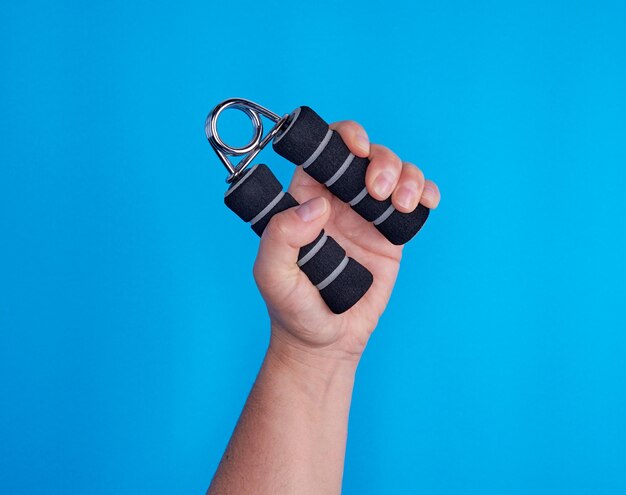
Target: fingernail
{"x": 312, "y": 209}
{"x": 405, "y": 197}
{"x": 363, "y": 142}
{"x": 383, "y": 184}
{"x": 429, "y": 193}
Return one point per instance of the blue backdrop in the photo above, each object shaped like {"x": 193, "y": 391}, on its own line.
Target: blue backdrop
{"x": 131, "y": 329}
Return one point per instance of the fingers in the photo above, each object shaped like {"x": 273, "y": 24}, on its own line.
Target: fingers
{"x": 386, "y": 174}
{"x": 407, "y": 193}
{"x": 354, "y": 136}
{"x": 383, "y": 172}
{"x": 430, "y": 196}
{"x": 412, "y": 189}
{"x": 282, "y": 239}
{"x": 385, "y": 166}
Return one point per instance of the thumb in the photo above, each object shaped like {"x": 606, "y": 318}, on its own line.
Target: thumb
{"x": 275, "y": 268}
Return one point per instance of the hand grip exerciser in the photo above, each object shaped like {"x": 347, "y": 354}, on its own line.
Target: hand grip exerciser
{"x": 255, "y": 195}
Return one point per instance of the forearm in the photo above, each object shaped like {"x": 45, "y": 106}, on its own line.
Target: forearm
{"x": 291, "y": 436}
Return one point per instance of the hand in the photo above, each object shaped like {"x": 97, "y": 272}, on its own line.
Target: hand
{"x": 302, "y": 325}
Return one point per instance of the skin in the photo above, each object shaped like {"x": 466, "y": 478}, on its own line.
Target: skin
{"x": 291, "y": 436}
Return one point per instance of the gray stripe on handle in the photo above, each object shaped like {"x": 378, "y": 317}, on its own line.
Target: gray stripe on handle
{"x": 339, "y": 173}
{"x": 313, "y": 251}
{"x": 267, "y": 209}
{"x": 333, "y": 275}
{"x": 319, "y": 149}
{"x": 384, "y": 216}
{"x": 359, "y": 196}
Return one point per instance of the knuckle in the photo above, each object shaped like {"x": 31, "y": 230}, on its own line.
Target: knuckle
{"x": 262, "y": 276}
{"x": 256, "y": 269}
{"x": 278, "y": 227}
{"x": 378, "y": 150}
{"x": 390, "y": 158}
{"x": 346, "y": 126}
{"x": 353, "y": 126}
{"x": 419, "y": 175}
{"x": 412, "y": 173}
{"x": 383, "y": 157}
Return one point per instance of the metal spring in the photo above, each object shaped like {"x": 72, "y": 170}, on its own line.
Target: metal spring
{"x": 256, "y": 144}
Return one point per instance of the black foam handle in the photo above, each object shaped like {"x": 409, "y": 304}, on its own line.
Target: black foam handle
{"x": 257, "y": 196}
{"x": 309, "y": 142}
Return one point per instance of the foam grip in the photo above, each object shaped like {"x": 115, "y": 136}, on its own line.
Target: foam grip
{"x": 308, "y": 142}
{"x": 257, "y": 196}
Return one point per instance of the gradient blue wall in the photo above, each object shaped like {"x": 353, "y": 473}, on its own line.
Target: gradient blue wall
{"x": 131, "y": 329}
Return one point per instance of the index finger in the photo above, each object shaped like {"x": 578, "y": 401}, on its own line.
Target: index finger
{"x": 354, "y": 136}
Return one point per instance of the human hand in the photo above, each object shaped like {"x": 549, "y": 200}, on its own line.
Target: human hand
{"x": 302, "y": 325}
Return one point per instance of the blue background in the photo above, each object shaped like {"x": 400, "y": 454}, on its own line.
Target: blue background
{"x": 131, "y": 329}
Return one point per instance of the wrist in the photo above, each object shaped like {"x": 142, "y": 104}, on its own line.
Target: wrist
{"x": 296, "y": 420}
{"x": 316, "y": 369}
